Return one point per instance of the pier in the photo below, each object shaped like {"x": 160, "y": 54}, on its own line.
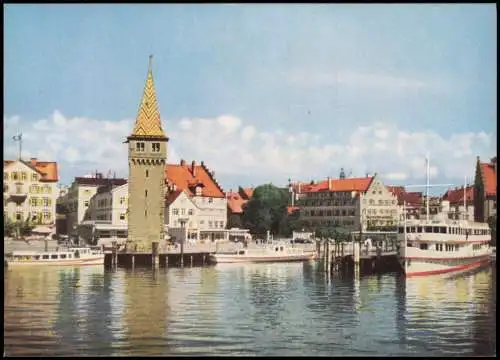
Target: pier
{"x": 376, "y": 257}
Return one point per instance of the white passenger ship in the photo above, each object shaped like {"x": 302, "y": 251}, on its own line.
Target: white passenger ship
{"x": 268, "y": 253}
{"x": 443, "y": 246}
{"x": 61, "y": 257}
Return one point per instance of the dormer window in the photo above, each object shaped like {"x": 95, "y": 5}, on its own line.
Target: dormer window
{"x": 198, "y": 191}
{"x": 156, "y": 147}
{"x": 139, "y": 147}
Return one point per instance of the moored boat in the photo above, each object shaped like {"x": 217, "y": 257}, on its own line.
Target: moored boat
{"x": 443, "y": 246}
{"x": 268, "y": 253}
{"x": 61, "y": 257}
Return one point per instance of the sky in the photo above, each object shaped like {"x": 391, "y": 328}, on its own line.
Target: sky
{"x": 260, "y": 93}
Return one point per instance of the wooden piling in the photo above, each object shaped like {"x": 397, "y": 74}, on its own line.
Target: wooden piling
{"x": 114, "y": 255}
{"x": 154, "y": 255}
{"x": 166, "y": 260}
{"x": 133, "y": 261}
{"x": 191, "y": 260}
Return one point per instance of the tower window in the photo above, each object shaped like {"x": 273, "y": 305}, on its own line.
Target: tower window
{"x": 147, "y": 173}
{"x": 146, "y": 193}
{"x": 139, "y": 147}
{"x": 156, "y": 147}
{"x": 145, "y": 213}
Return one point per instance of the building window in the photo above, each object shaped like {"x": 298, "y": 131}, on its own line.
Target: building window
{"x": 139, "y": 147}
{"x": 5, "y": 176}
{"x": 86, "y": 203}
{"x": 147, "y": 173}
{"x": 156, "y": 147}
{"x": 34, "y": 217}
{"x": 15, "y": 176}
{"x": 33, "y": 201}
{"x": 122, "y": 216}
{"x": 209, "y": 224}
{"x": 190, "y": 212}
{"x": 46, "y": 202}
{"x": 19, "y": 189}
{"x": 34, "y": 189}
{"x": 210, "y": 200}
{"x": 183, "y": 211}
{"x": 24, "y": 176}
{"x": 46, "y": 216}
{"x": 146, "y": 213}
{"x": 47, "y": 189}
{"x": 122, "y": 200}
{"x": 5, "y": 188}
{"x": 34, "y": 177}
{"x": 175, "y": 211}
{"x": 145, "y": 193}
{"x": 19, "y": 216}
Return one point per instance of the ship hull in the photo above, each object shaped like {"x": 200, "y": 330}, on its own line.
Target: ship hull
{"x": 414, "y": 267}
{"x": 227, "y": 258}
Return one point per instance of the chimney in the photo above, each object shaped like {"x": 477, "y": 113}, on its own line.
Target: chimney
{"x": 329, "y": 184}
{"x": 33, "y": 161}
{"x": 183, "y": 162}
{"x": 193, "y": 168}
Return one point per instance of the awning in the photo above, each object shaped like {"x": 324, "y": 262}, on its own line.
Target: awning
{"x": 42, "y": 230}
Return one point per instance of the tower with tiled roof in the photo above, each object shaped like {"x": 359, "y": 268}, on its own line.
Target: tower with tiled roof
{"x": 147, "y": 158}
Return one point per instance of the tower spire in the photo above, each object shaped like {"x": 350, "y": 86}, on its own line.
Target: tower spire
{"x": 148, "y": 122}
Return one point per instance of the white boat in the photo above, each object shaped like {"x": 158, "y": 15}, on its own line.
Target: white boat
{"x": 443, "y": 246}
{"x": 439, "y": 245}
{"x": 269, "y": 253}
{"x": 62, "y": 257}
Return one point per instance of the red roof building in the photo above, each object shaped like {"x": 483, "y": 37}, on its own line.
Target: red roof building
{"x": 485, "y": 190}
{"x": 196, "y": 180}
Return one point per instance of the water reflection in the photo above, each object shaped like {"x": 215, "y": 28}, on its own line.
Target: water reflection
{"x": 245, "y": 309}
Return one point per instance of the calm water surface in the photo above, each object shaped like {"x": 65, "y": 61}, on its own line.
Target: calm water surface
{"x": 261, "y": 309}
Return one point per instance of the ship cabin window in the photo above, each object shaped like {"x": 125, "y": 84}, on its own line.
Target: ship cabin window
{"x": 45, "y": 257}
{"x": 419, "y": 229}
{"x": 428, "y": 229}
{"x": 439, "y": 247}
{"x": 276, "y": 249}
{"x": 442, "y": 229}
{"x": 63, "y": 256}
{"x": 423, "y": 246}
{"x": 409, "y": 244}
{"x": 281, "y": 248}
{"x": 401, "y": 230}
{"x": 70, "y": 256}
{"x": 37, "y": 257}
{"x": 241, "y": 252}
{"x": 53, "y": 256}
{"x": 457, "y": 247}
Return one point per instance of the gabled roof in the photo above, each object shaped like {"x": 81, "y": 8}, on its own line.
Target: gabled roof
{"x": 411, "y": 198}
{"x": 46, "y": 169}
{"x": 235, "y": 202}
{"x": 188, "y": 177}
{"x": 246, "y": 193}
{"x": 170, "y": 198}
{"x": 456, "y": 196}
{"x": 489, "y": 178}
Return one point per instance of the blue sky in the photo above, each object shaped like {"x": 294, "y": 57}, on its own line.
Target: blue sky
{"x": 259, "y": 92}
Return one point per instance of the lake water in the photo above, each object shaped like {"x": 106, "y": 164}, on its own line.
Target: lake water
{"x": 253, "y": 309}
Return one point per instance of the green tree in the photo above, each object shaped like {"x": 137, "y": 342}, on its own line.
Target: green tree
{"x": 267, "y": 210}
{"x": 9, "y": 227}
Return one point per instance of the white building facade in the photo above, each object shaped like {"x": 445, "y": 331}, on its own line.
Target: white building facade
{"x": 30, "y": 191}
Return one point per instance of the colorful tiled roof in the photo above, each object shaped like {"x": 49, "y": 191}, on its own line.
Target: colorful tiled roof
{"x": 489, "y": 178}
{"x": 456, "y": 196}
{"x": 100, "y": 181}
{"x": 47, "y": 169}
{"x": 235, "y": 202}
{"x": 148, "y": 122}
{"x": 188, "y": 177}
{"x": 333, "y": 185}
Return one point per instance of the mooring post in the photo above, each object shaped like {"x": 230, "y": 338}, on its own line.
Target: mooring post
{"x": 191, "y": 260}
{"x": 133, "y": 261}
{"x": 154, "y": 254}
{"x": 203, "y": 259}
{"x": 114, "y": 256}
{"x": 357, "y": 251}
{"x": 166, "y": 260}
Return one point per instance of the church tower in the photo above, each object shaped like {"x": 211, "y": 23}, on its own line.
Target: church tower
{"x": 147, "y": 158}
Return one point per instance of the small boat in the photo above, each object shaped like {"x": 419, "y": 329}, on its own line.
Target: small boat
{"x": 269, "y": 253}
{"x": 61, "y": 257}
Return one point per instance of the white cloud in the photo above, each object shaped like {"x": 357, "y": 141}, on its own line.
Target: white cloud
{"x": 230, "y": 146}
